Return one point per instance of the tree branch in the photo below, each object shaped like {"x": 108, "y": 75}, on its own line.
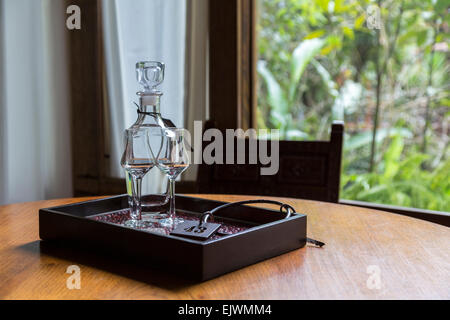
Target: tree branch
{"x": 380, "y": 70}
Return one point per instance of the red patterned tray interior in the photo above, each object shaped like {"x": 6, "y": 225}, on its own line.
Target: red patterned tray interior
{"x": 120, "y": 217}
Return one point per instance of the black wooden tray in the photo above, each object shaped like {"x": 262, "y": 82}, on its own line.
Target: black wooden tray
{"x": 263, "y": 234}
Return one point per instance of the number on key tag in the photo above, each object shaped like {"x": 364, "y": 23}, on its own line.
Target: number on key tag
{"x": 193, "y": 229}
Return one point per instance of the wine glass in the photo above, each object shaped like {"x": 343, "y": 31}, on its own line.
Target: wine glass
{"x": 137, "y": 160}
{"x": 172, "y": 159}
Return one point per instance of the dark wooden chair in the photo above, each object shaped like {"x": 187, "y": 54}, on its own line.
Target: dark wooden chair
{"x": 307, "y": 169}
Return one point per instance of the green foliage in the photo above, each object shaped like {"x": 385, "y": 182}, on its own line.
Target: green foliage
{"x": 281, "y": 100}
{"x": 318, "y": 62}
{"x": 402, "y": 181}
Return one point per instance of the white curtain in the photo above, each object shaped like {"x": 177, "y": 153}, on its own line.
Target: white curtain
{"x": 196, "y": 95}
{"x": 35, "y": 153}
{"x": 134, "y": 31}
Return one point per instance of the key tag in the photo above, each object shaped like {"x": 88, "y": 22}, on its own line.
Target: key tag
{"x": 195, "y": 230}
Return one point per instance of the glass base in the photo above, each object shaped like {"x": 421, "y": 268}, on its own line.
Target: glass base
{"x": 154, "y": 216}
{"x": 150, "y": 226}
{"x": 136, "y": 224}
{"x": 170, "y": 222}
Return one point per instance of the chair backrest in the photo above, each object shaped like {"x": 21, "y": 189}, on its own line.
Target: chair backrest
{"x": 307, "y": 169}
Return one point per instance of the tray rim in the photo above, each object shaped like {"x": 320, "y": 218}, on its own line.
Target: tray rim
{"x": 52, "y": 210}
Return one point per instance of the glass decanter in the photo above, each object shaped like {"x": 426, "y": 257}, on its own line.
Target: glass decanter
{"x": 150, "y": 74}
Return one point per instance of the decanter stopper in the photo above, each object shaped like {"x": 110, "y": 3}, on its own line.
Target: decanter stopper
{"x": 150, "y": 74}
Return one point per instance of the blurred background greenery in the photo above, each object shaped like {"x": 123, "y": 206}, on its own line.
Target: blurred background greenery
{"x": 321, "y": 60}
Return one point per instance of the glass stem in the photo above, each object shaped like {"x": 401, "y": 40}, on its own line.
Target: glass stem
{"x": 136, "y": 188}
{"x": 129, "y": 182}
{"x": 172, "y": 197}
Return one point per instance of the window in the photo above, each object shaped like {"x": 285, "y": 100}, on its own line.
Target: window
{"x": 384, "y": 70}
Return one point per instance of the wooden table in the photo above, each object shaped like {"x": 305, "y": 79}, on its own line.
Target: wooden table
{"x": 368, "y": 255}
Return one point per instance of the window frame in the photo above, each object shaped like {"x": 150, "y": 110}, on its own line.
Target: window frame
{"x": 232, "y": 58}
